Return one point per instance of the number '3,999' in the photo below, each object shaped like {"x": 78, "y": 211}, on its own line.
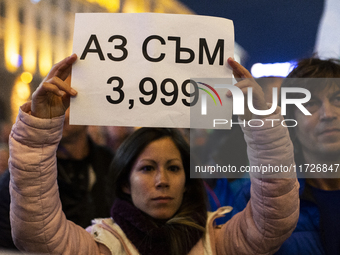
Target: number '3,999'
{"x": 148, "y": 87}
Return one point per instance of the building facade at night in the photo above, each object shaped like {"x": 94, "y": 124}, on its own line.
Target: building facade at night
{"x": 36, "y": 34}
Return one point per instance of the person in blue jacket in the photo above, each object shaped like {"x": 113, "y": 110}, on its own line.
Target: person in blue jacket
{"x": 316, "y": 141}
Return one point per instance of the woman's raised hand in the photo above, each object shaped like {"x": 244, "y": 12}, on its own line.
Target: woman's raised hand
{"x": 52, "y": 97}
{"x": 246, "y": 80}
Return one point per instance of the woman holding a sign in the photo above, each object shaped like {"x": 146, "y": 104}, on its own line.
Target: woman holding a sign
{"x": 158, "y": 209}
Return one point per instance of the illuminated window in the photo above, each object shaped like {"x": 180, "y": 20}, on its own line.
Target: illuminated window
{"x": 110, "y": 5}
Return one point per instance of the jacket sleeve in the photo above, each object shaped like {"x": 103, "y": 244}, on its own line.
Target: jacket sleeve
{"x": 273, "y": 210}
{"x": 38, "y": 223}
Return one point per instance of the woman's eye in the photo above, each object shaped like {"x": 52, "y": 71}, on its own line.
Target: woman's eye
{"x": 146, "y": 168}
{"x": 174, "y": 168}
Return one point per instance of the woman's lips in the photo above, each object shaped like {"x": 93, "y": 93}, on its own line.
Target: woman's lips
{"x": 162, "y": 199}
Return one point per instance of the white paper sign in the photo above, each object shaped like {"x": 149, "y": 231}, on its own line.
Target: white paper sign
{"x": 135, "y": 69}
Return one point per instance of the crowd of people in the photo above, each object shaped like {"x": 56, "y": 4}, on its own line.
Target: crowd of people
{"x": 115, "y": 190}
{"x": 155, "y": 206}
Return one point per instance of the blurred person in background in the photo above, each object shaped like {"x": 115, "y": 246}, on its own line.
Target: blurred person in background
{"x": 110, "y": 136}
{"x": 116, "y": 135}
{"x": 97, "y": 134}
{"x": 3, "y": 110}
{"x": 4, "y": 155}
{"x": 5, "y": 130}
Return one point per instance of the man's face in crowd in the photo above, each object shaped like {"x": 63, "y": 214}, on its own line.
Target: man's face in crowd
{"x": 320, "y": 132}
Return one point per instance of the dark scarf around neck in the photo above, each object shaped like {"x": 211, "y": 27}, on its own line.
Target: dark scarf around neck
{"x": 147, "y": 235}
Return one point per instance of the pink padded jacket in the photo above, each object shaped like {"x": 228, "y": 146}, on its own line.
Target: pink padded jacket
{"x": 39, "y": 225}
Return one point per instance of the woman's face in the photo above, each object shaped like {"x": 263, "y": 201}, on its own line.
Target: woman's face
{"x": 157, "y": 179}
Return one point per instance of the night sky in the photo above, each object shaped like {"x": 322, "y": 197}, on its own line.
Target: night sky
{"x": 269, "y": 30}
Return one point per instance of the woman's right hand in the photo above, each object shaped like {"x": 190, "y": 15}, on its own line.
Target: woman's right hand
{"x": 52, "y": 97}
{"x": 244, "y": 81}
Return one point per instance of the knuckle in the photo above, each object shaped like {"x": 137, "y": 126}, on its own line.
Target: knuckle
{"x": 53, "y": 79}
{"x": 45, "y": 84}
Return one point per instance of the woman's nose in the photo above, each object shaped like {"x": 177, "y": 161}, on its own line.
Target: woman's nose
{"x": 162, "y": 178}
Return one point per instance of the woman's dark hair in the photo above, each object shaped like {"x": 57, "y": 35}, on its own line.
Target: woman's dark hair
{"x": 193, "y": 210}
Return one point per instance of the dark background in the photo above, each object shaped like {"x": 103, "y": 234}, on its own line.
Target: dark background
{"x": 268, "y": 30}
